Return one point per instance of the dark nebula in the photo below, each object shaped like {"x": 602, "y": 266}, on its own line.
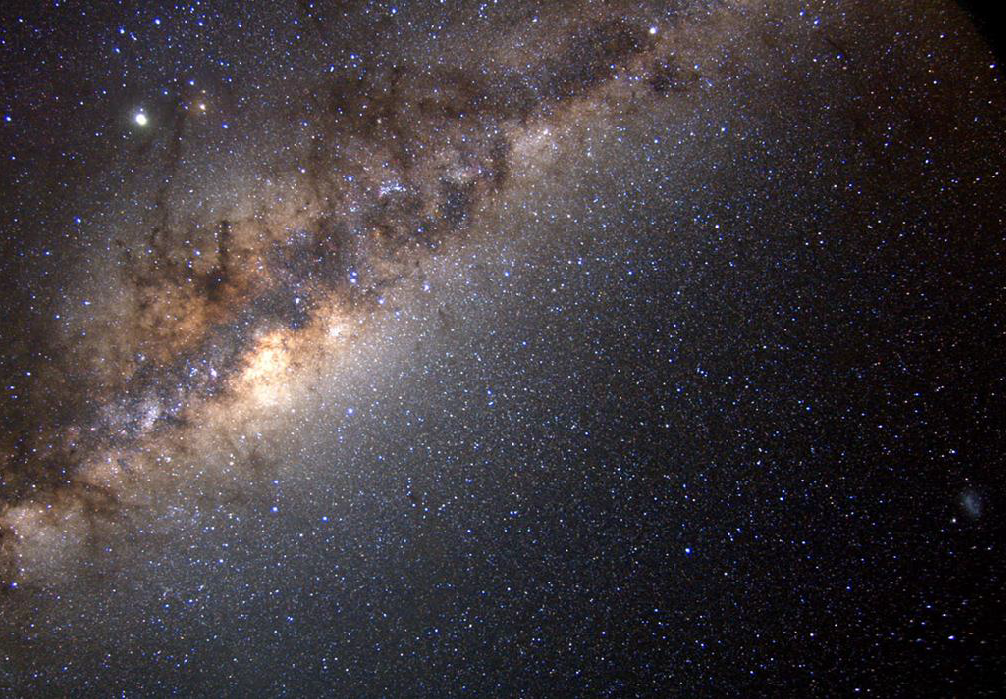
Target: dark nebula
{"x": 538, "y": 349}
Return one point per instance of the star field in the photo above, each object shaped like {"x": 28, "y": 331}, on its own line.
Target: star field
{"x": 491, "y": 349}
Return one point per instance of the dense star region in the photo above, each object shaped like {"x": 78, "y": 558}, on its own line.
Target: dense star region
{"x": 557, "y": 348}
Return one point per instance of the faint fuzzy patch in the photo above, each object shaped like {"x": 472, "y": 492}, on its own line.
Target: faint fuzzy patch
{"x": 972, "y": 503}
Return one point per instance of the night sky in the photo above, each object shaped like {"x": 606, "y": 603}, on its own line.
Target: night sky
{"x": 501, "y": 348}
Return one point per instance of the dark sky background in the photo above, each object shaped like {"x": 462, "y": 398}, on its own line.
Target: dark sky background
{"x": 501, "y": 348}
